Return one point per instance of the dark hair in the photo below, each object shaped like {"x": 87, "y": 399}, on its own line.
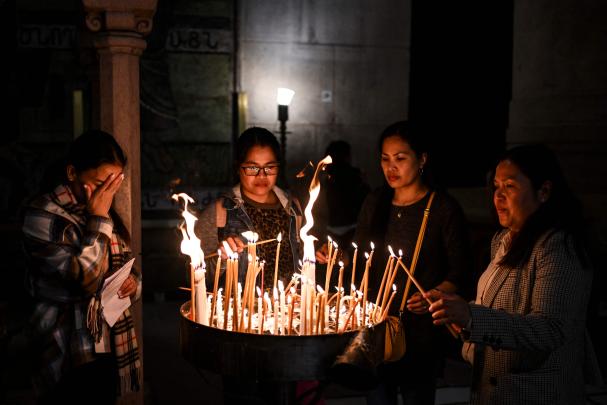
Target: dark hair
{"x": 561, "y": 211}
{"x": 340, "y": 152}
{"x": 407, "y": 133}
{"x": 255, "y": 136}
{"x": 94, "y": 148}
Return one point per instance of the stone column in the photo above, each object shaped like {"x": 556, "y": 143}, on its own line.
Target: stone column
{"x": 120, "y": 26}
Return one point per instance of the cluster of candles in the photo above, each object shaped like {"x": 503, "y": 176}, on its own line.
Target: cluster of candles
{"x": 300, "y": 308}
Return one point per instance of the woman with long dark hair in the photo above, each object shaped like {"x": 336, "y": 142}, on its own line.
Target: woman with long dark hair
{"x": 525, "y": 332}
{"x": 392, "y": 216}
{"x": 74, "y": 240}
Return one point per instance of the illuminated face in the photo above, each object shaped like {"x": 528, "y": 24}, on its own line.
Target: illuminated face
{"x": 91, "y": 177}
{"x": 258, "y": 187}
{"x": 400, "y": 164}
{"x": 514, "y": 197}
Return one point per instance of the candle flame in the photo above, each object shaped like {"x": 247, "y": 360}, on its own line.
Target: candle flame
{"x": 308, "y": 240}
{"x": 341, "y": 264}
{"x": 400, "y": 253}
{"x": 391, "y": 251}
{"x": 335, "y": 245}
{"x": 394, "y": 287}
{"x": 251, "y": 237}
{"x": 258, "y": 291}
{"x": 279, "y": 237}
{"x": 372, "y": 246}
{"x": 366, "y": 255}
{"x": 355, "y": 245}
{"x": 319, "y": 289}
{"x": 226, "y": 247}
{"x": 190, "y": 244}
{"x": 330, "y": 239}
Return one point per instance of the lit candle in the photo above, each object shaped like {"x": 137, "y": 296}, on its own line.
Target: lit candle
{"x": 366, "y": 280}
{"x": 354, "y": 267}
{"x": 329, "y": 250}
{"x": 278, "y": 238}
{"x": 385, "y": 313}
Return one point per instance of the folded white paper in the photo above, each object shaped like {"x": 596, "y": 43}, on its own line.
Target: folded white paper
{"x": 114, "y": 306}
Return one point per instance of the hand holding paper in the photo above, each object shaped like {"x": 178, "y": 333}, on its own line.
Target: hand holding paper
{"x": 113, "y": 305}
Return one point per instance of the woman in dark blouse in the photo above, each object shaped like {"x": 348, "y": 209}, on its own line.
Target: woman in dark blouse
{"x": 392, "y": 216}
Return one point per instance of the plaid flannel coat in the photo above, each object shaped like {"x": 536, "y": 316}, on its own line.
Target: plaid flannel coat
{"x": 67, "y": 257}
{"x": 528, "y": 334}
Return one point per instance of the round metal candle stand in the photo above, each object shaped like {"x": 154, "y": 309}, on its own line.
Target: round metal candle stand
{"x": 261, "y": 357}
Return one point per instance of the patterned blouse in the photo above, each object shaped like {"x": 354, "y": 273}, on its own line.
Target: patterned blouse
{"x": 269, "y": 220}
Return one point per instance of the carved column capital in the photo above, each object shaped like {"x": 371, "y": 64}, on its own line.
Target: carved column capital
{"x": 120, "y": 15}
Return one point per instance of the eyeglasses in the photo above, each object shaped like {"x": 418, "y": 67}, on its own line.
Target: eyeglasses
{"x": 254, "y": 170}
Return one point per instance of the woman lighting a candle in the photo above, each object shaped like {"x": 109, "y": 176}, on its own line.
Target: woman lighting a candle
{"x": 255, "y": 204}
{"x": 525, "y": 332}
{"x": 392, "y": 216}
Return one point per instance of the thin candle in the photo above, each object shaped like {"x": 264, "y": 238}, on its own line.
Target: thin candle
{"x": 365, "y": 283}
{"x": 387, "y": 308}
{"x": 228, "y": 291}
{"x": 421, "y": 290}
{"x": 259, "y": 309}
{"x": 283, "y": 308}
{"x": 193, "y": 293}
{"x": 339, "y": 289}
{"x": 276, "y": 311}
{"x": 354, "y": 266}
{"x": 290, "y": 301}
{"x": 215, "y": 285}
{"x": 279, "y": 239}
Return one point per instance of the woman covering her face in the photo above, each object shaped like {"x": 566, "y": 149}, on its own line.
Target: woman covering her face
{"x": 73, "y": 242}
{"x": 525, "y": 332}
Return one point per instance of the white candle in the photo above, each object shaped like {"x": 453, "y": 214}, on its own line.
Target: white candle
{"x": 279, "y": 239}
{"x": 219, "y": 309}
{"x": 354, "y": 266}
{"x": 268, "y": 305}
{"x": 276, "y": 310}
{"x": 201, "y": 298}
{"x": 283, "y": 308}
{"x": 259, "y": 309}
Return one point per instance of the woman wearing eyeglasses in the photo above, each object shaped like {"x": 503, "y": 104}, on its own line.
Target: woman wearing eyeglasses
{"x": 255, "y": 204}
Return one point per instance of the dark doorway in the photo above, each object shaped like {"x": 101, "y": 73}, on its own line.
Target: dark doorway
{"x": 461, "y": 75}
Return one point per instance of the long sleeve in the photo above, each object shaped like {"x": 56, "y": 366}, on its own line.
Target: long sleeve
{"x": 555, "y": 308}
{"x": 60, "y": 251}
